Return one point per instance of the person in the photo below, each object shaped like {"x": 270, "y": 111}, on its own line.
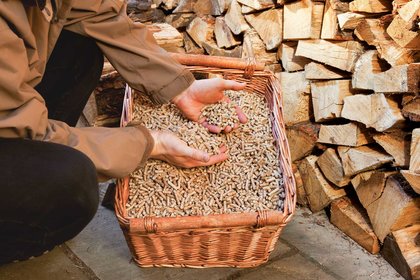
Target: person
{"x": 51, "y": 57}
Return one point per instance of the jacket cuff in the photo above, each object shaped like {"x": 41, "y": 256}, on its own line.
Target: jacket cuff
{"x": 150, "y": 143}
{"x": 177, "y": 86}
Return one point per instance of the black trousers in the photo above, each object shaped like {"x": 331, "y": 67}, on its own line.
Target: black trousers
{"x": 49, "y": 192}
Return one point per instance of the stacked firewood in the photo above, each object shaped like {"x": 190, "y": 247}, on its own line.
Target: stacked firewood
{"x": 350, "y": 77}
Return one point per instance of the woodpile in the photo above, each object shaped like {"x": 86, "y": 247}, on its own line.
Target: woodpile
{"x": 350, "y": 77}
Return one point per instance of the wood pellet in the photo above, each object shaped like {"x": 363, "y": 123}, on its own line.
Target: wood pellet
{"x": 248, "y": 181}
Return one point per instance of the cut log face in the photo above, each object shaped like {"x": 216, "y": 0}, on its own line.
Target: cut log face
{"x": 373, "y": 32}
{"x": 256, "y": 5}
{"x": 234, "y": 18}
{"x": 397, "y": 145}
{"x": 364, "y": 158}
{"x": 402, "y": 250}
{"x": 302, "y": 139}
{"x": 403, "y": 78}
{"x": 373, "y": 110}
{"x": 415, "y": 151}
{"x": 269, "y": 25}
{"x": 254, "y": 47}
{"x": 319, "y": 191}
{"x": 370, "y": 185}
{"x": 349, "y": 20}
{"x": 201, "y": 30}
{"x": 413, "y": 179}
{"x": 224, "y": 37}
{"x": 330, "y": 27}
{"x": 331, "y": 167}
{"x": 296, "y": 97}
{"x": 318, "y": 71}
{"x": 352, "y": 219}
{"x": 350, "y": 134}
{"x": 397, "y": 208}
{"x": 402, "y": 35}
{"x": 167, "y": 36}
{"x": 411, "y": 110}
{"x": 291, "y": 62}
{"x": 371, "y": 6}
{"x": 328, "y": 98}
{"x": 367, "y": 66}
{"x": 341, "y": 55}
{"x": 308, "y": 25}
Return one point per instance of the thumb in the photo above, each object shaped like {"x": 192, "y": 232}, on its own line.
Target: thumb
{"x": 233, "y": 85}
{"x": 198, "y": 155}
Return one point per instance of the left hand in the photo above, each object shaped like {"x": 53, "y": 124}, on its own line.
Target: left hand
{"x": 205, "y": 92}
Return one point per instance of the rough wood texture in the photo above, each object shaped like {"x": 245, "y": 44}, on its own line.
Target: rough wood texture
{"x": 373, "y": 110}
{"x": 190, "y": 46}
{"x": 402, "y": 250}
{"x": 349, "y": 20}
{"x": 331, "y": 167}
{"x": 367, "y": 66}
{"x": 319, "y": 191}
{"x": 318, "y": 71}
{"x": 411, "y": 109}
{"x": 309, "y": 24}
{"x": 167, "y": 37}
{"x": 371, "y": 6}
{"x": 180, "y": 20}
{"x": 415, "y": 151}
{"x": 255, "y": 5}
{"x": 402, "y": 78}
{"x": 300, "y": 190}
{"x": 370, "y": 185}
{"x": 213, "y": 50}
{"x": 373, "y": 32}
{"x": 352, "y": 219}
{"x": 296, "y": 97}
{"x": 269, "y": 25}
{"x": 401, "y": 34}
{"x": 413, "y": 179}
{"x": 397, "y": 145}
{"x": 328, "y": 98}
{"x": 224, "y": 36}
{"x": 254, "y": 47}
{"x": 350, "y": 134}
{"x": 330, "y": 27}
{"x": 201, "y": 30}
{"x": 398, "y": 207}
{"x": 234, "y": 18}
{"x": 342, "y": 55}
{"x": 302, "y": 138}
{"x": 364, "y": 158}
{"x": 291, "y": 62}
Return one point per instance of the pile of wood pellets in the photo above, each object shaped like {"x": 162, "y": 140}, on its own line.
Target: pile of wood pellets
{"x": 248, "y": 181}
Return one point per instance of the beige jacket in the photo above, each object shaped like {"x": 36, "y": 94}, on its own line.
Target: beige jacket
{"x": 27, "y": 38}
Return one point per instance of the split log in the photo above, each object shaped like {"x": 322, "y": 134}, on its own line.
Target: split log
{"x": 167, "y": 37}
{"x": 373, "y": 32}
{"x": 309, "y": 23}
{"x": 275, "y": 68}
{"x": 213, "y": 50}
{"x": 370, "y": 185}
{"x": 254, "y": 47}
{"x": 206, "y": 7}
{"x": 402, "y": 250}
{"x": 397, "y": 208}
{"x": 170, "y": 4}
{"x": 411, "y": 110}
{"x": 359, "y": 159}
{"x": 296, "y": 97}
{"x": 374, "y": 110}
{"x": 341, "y": 55}
{"x": 397, "y": 145}
{"x": 255, "y": 5}
{"x": 413, "y": 179}
{"x": 318, "y": 71}
{"x": 190, "y": 46}
{"x": 330, "y": 27}
{"x": 367, "y": 66}
{"x": 180, "y": 20}
{"x": 331, "y": 167}
{"x": 371, "y": 6}
{"x": 352, "y": 219}
{"x": 402, "y": 35}
{"x": 351, "y": 134}
{"x": 328, "y": 98}
{"x": 402, "y": 78}
{"x": 224, "y": 37}
{"x": 415, "y": 151}
{"x": 201, "y": 30}
{"x": 291, "y": 62}
{"x": 349, "y": 20}
{"x": 302, "y": 138}
{"x": 319, "y": 191}
{"x": 90, "y": 112}
{"x": 234, "y": 18}
{"x": 269, "y": 25}
{"x": 300, "y": 190}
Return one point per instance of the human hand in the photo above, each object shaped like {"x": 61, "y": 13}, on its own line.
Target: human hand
{"x": 205, "y": 92}
{"x": 173, "y": 150}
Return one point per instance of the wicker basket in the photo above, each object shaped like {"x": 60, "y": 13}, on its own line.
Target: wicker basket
{"x": 222, "y": 240}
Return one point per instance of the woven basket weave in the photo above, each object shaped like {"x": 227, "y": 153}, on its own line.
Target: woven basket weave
{"x": 220, "y": 240}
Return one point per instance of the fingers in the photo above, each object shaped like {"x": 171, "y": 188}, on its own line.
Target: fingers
{"x": 233, "y": 85}
{"x": 241, "y": 115}
{"x": 198, "y": 155}
{"x": 216, "y": 159}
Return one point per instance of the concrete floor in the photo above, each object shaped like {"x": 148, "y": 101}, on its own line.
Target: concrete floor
{"x": 309, "y": 248}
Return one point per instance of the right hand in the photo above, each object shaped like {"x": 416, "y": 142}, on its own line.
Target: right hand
{"x": 173, "y": 150}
